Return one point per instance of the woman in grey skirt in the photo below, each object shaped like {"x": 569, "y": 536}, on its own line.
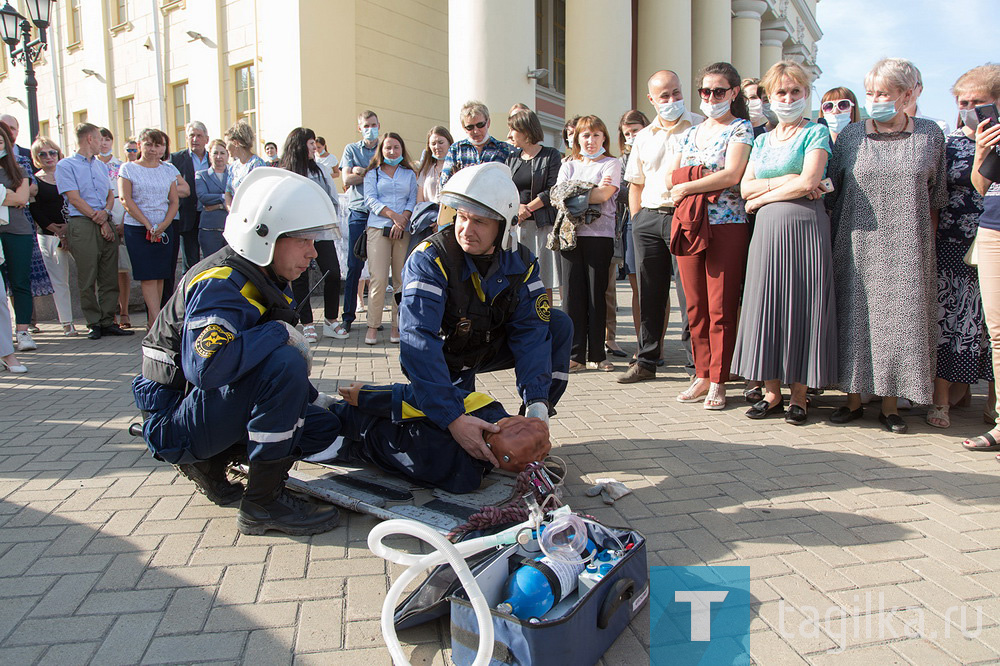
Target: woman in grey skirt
{"x": 787, "y": 331}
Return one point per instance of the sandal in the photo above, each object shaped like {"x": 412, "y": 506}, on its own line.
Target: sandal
{"x": 937, "y": 416}
{"x": 371, "y": 337}
{"x": 985, "y": 442}
{"x": 716, "y": 398}
{"x": 124, "y": 321}
{"x": 576, "y": 367}
{"x": 605, "y": 366}
{"x": 689, "y": 394}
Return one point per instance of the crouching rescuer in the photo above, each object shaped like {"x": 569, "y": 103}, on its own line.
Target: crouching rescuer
{"x": 225, "y": 374}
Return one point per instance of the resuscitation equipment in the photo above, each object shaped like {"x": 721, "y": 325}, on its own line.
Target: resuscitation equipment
{"x": 562, "y": 537}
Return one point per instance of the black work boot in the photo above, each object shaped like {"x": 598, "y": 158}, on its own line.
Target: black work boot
{"x": 210, "y": 477}
{"x": 267, "y": 505}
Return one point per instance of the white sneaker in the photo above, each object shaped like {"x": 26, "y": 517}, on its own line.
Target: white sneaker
{"x": 336, "y": 330}
{"x": 309, "y": 333}
{"x": 24, "y": 342}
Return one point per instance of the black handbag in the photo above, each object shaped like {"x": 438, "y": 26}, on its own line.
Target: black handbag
{"x": 360, "y": 248}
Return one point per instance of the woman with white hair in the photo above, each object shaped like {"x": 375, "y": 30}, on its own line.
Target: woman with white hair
{"x": 889, "y": 184}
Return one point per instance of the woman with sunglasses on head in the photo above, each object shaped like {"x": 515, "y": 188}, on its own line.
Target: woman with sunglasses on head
{"x": 839, "y": 109}
{"x": 712, "y": 279}
{"x": 889, "y": 181}
{"x": 787, "y": 332}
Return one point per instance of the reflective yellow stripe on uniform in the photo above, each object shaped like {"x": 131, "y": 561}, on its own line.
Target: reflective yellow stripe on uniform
{"x": 479, "y": 287}
{"x": 473, "y": 401}
{"x": 437, "y": 260}
{"x": 219, "y": 272}
{"x": 253, "y": 296}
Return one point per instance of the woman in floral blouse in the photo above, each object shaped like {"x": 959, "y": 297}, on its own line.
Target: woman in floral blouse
{"x": 712, "y": 279}
{"x": 963, "y": 352}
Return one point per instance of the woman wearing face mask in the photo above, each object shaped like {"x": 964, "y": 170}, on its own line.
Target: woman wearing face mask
{"x": 761, "y": 116}
{"x": 712, "y": 279}
{"x": 429, "y": 172}
{"x": 890, "y": 182}
{"x": 963, "y": 352}
{"x": 390, "y": 194}
{"x": 629, "y": 125}
{"x": 534, "y": 168}
{"x": 568, "y": 129}
{"x": 787, "y": 332}
{"x": 585, "y": 268}
{"x": 839, "y": 109}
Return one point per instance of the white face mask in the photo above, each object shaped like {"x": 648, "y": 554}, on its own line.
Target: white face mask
{"x": 715, "y": 110}
{"x": 837, "y": 121}
{"x": 789, "y": 112}
{"x": 670, "y": 111}
{"x": 756, "y": 108}
{"x": 969, "y": 118}
{"x": 630, "y": 140}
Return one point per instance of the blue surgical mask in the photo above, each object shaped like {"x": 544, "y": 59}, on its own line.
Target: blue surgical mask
{"x": 670, "y": 111}
{"x": 593, "y": 156}
{"x": 393, "y": 161}
{"x": 3, "y": 154}
{"x": 837, "y": 121}
{"x": 370, "y": 133}
{"x": 881, "y": 111}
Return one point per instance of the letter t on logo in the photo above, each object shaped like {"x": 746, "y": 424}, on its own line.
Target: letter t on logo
{"x": 701, "y": 607}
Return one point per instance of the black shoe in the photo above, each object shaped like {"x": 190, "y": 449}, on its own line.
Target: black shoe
{"x": 845, "y": 415}
{"x": 893, "y": 423}
{"x": 763, "y": 409}
{"x": 267, "y": 505}
{"x": 620, "y": 353}
{"x": 95, "y": 333}
{"x": 210, "y": 479}
{"x": 115, "y": 330}
{"x": 753, "y": 395}
{"x": 660, "y": 362}
{"x": 796, "y": 415}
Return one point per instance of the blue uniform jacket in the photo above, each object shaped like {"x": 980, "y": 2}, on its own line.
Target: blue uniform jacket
{"x": 421, "y": 311}
{"x": 221, "y": 339}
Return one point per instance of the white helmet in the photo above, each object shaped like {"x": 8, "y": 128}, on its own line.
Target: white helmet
{"x": 271, "y": 203}
{"x": 487, "y": 190}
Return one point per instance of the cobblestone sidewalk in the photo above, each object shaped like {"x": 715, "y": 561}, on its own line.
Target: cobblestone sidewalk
{"x": 107, "y": 556}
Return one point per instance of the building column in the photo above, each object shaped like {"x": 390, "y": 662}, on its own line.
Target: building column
{"x": 594, "y": 81}
{"x": 711, "y": 34}
{"x": 664, "y": 42}
{"x": 491, "y": 48}
{"x": 746, "y": 37}
{"x": 772, "y": 40}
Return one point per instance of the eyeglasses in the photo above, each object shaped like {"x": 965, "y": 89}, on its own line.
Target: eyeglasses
{"x": 48, "y": 153}
{"x": 717, "y": 93}
{"x": 479, "y": 125}
{"x": 842, "y": 105}
{"x": 131, "y": 150}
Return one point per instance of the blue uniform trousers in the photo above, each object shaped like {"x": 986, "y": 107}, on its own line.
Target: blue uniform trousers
{"x": 561, "y": 334}
{"x": 268, "y": 409}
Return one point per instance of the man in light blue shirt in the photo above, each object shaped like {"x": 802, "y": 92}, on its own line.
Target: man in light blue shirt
{"x": 83, "y": 181}
{"x": 357, "y": 157}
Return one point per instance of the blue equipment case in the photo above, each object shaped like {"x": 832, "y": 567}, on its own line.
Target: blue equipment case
{"x": 585, "y": 627}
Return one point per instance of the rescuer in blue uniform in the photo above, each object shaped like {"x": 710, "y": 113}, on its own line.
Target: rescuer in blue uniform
{"x": 225, "y": 373}
{"x": 470, "y": 304}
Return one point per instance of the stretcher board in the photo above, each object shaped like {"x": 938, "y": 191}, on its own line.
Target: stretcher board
{"x": 366, "y": 489}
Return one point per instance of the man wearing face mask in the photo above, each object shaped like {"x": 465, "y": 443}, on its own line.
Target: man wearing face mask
{"x": 357, "y": 157}
{"x": 652, "y": 210}
{"x": 472, "y": 304}
{"x": 479, "y": 148}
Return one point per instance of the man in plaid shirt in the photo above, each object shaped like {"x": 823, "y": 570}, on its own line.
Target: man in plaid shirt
{"x": 479, "y": 148}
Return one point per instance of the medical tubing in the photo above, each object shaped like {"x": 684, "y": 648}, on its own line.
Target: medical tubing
{"x": 445, "y": 552}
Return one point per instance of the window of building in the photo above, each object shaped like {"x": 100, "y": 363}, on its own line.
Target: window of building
{"x": 43, "y": 128}
{"x": 119, "y": 9}
{"x": 79, "y": 117}
{"x": 181, "y": 114}
{"x": 74, "y": 25}
{"x": 550, "y": 43}
{"x": 126, "y": 110}
{"x": 246, "y": 95}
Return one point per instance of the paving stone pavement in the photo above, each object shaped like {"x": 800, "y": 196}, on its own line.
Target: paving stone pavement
{"x": 107, "y": 556}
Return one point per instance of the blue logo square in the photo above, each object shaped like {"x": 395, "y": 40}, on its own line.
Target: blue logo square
{"x": 700, "y": 615}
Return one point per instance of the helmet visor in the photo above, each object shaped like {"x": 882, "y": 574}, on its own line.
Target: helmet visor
{"x": 462, "y": 202}
{"x": 312, "y": 233}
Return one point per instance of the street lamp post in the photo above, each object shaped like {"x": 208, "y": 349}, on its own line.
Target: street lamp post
{"x": 10, "y": 23}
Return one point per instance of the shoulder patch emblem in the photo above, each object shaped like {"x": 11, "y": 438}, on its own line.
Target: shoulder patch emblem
{"x": 211, "y": 339}
{"x": 542, "y": 307}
